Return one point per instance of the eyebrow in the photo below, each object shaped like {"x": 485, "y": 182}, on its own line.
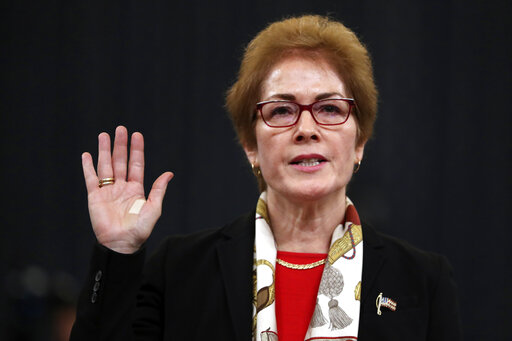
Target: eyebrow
{"x": 290, "y": 97}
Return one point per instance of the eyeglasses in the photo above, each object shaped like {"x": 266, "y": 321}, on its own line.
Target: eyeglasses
{"x": 280, "y": 113}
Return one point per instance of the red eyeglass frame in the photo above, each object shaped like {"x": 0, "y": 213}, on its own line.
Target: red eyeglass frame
{"x": 304, "y": 107}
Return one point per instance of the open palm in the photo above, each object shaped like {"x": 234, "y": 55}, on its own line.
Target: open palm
{"x": 121, "y": 218}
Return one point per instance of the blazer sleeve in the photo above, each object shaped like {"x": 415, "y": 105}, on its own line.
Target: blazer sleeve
{"x": 444, "y": 321}
{"x": 116, "y": 303}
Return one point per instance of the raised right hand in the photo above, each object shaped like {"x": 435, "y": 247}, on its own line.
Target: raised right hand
{"x": 114, "y": 219}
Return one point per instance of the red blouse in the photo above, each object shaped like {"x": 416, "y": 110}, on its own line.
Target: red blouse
{"x": 296, "y": 292}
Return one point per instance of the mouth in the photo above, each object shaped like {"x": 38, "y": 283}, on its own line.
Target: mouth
{"x": 308, "y": 160}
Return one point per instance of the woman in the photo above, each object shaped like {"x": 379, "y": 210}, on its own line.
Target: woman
{"x": 303, "y": 107}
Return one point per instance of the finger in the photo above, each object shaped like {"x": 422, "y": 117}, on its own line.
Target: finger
{"x": 104, "y": 157}
{"x": 156, "y": 195}
{"x": 91, "y": 179}
{"x": 119, "y": 155}
{"x": 136, "y": 164}
{"x": 152, "y": 208}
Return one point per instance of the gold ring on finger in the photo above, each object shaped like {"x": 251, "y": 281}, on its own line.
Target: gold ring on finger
{"x": 106, "y": 181}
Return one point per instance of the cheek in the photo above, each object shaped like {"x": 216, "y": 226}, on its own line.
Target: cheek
{"x": 346, "y": 151}
{"x": 264, "y": 141}
{"x": 345, "y": 158}
{"x": 269, "y": 154}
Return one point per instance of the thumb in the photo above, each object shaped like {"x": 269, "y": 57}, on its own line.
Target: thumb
{"x": 156, "y": 195}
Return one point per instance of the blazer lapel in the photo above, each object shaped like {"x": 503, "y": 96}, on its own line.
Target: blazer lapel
{"x": 236, "y": 259}
{"x": 373, "y": 260}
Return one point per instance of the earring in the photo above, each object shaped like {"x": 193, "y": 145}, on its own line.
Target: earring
{"x": 357, "y": 165}
{"x": 256, "y": 170}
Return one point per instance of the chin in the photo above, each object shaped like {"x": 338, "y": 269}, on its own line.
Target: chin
{"x": 312, "y": 192}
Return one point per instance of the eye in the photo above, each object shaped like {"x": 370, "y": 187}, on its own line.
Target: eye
{"x": 329, "y": 108}
{"x": 281, "y": 110}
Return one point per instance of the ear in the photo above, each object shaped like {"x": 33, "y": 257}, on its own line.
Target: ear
{"x": 359, "y": 151}
{"x": 252, "y": 154}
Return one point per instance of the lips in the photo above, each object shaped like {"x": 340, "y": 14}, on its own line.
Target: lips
{"x": 308, "y": 160}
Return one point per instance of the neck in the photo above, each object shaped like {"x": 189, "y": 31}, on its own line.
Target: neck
{"x": 305, "y": 226}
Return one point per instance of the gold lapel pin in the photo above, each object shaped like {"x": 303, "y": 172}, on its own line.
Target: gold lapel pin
{"x": 384, "y": 302}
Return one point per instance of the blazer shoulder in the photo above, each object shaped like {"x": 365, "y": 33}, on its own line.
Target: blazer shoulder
{"x": 402, "y": 252}
{"x": 204, "y": 241}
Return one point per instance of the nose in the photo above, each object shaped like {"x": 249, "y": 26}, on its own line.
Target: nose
{"x": 306, "y": 128}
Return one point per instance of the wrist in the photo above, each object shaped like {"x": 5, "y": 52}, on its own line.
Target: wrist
{"x": 122, "y": 247}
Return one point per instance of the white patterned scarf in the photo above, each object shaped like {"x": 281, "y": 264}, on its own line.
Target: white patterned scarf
{"x": 336, "y": 315}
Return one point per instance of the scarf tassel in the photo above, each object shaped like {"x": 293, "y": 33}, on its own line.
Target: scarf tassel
{"x": 318, "y": 318}
{"x": 339, "y": 319}
{"x": 269, "y": 335}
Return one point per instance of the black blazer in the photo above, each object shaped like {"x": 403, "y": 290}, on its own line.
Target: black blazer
{"x": 199, "y": 287}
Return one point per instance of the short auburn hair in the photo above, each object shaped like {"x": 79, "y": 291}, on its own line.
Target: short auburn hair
{"x": 314, "y": 36}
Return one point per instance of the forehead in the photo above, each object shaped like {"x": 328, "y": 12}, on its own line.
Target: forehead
{"x": 302, "y": 76}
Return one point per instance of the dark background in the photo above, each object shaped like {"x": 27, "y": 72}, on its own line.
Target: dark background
{"x": 437, "y": 173}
